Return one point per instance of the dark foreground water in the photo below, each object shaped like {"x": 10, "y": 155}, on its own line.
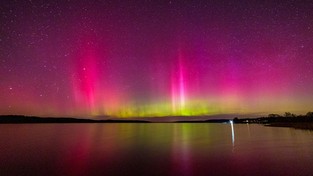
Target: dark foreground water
{"x": 154, "y": 149}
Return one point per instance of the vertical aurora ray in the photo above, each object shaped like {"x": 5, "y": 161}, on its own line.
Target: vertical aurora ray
{"x": 178, "y": 87}
{"x": 85, "y": 78}
{"x": 181, "y": 84}
{"x": 95, "y": 94}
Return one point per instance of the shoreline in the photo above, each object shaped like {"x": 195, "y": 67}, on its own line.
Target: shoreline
{"x": 303, "y": 122}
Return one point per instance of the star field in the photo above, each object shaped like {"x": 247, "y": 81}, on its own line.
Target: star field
{"x": 155, "y": 58}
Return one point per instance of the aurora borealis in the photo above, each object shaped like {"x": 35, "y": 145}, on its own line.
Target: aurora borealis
{"x": 155, "y": 58}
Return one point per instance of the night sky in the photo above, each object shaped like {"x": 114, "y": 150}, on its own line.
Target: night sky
{"x": 155, "y": 58}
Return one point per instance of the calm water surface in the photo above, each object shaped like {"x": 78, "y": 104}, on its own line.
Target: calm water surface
{"x": 154, "y": 149}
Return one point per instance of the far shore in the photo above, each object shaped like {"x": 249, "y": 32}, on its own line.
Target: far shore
{"x": 304, "y": 122}
{"x": 290, "y": 120}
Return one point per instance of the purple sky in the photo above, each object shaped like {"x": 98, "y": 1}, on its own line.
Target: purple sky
{"x": 155, "y": 58}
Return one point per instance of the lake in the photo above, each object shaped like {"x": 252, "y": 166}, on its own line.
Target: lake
{"x": 154, "y": 149}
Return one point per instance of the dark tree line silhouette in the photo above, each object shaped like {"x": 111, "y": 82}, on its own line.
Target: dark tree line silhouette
{"x": 288, "y": 117}
{"x": 289, "y": 114}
